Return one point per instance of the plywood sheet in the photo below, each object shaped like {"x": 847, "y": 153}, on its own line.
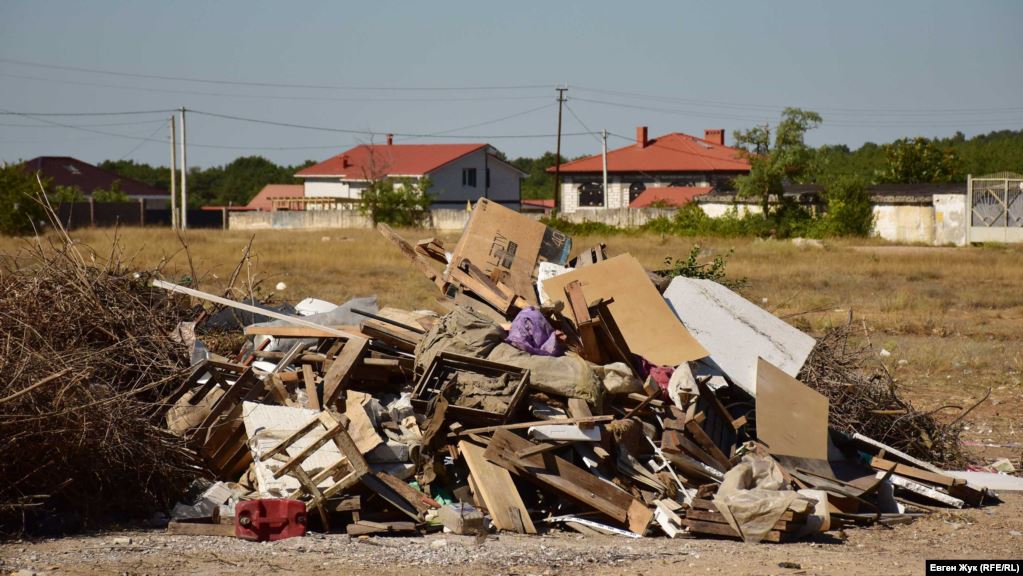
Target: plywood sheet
{"x": 792, "y": 418}
{"x": 644, "y": 318}
{"x": 736, "y": 331}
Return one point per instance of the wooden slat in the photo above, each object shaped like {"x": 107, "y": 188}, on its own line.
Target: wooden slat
{"x": 339, "y": 372}
{"x": 707, "y": 444}
{"x": 309, "y": 377}
{"x": 715, "y": 529}
{"x": 914, "y": 473}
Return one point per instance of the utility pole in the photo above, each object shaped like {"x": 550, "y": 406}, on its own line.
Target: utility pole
{"x": 174, "y": 174}
{"x": 603, "y": 153}
{"x": 184, "y": 173}
{"x": 557, "y": 154}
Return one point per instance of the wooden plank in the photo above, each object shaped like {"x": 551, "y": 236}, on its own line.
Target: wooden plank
{"x": 520, "y": 425}
{"x": 313, "y": 401}
{"x": 557, "y": 473}
{"x": 199, "y": 529}
{"x": 715, "y": 529}
{"x": 706, "y": 505}
{"x": 912, "y": 472}
{"x": 495, "y": 487}
{"x": 675, "y": 442}
{"x": 900, "y": 455}
{"x": 421, "y": 263}
{"x": 249, "y": 308}
{"x": 291, "y": 331}
{"x": 340, "y": 369}
{"x": 708, "y": 445}
{"x": 922, "y": 490}
{"x": 718, "y": 518}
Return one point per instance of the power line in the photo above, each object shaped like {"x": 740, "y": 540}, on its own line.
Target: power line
{"x": 268, "y": 84}
{"x": 494, "y": 121}
{"x": 142, "y": 142}
{"x": 373, "y": 132}
{"x": 915, "y": 110}
{"x": 270, "y": 96}
{"x": 581, "y": 123}
{"x": 847, "y": 124}
{"x": 139, "y": 123}
{"x": 136, "y": 112}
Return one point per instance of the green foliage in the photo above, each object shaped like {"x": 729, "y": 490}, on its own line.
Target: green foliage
{"x": 66, "y": 195}
{"x": 19, "y": 210}
{"x": 691, "y": 267}
{"x": 538, "y": 183}
{"x": 786, "y": 158}
{"x": 583, "y": 228}
{"x": 848, "y": 211}
{"x": 921, "y": 160}
{"x": 403, "y": 202}
{"x": 114, "y": 194}
{"x": 156, "y": 176}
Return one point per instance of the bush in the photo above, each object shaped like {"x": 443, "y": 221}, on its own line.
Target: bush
{"x": 66, "y": 195}
{"x": 691, "y": 267}
{"x": 19, "y": 210}
{"x": 397, "y": 202}
{"x": 114, "y": 194}
{"x": 848, "y": 210}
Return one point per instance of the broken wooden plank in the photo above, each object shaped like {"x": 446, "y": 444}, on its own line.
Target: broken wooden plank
{"x": 178, "y": 528}
{"x": 922, "y": 490}
{"x": 494, "y": 485}
{"x": 708, "y": 445}
{"x": 520, "y": 425}
{"x": 915, "y": 473}
{"x": 339, "y": 373}
{"x": 564, "y": 477}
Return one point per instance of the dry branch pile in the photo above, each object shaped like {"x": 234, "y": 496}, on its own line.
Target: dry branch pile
{"x": 867, "y": 401}
{"x": 85, "y": 357}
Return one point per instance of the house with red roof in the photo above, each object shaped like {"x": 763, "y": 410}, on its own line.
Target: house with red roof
{"x": 458, "y": 173}
{"x": 668, "y": 170}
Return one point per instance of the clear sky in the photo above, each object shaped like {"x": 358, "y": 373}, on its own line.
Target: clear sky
{"x": 486, "y": 71}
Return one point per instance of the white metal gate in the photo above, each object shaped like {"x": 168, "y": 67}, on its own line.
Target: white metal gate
{"x": 996, "y": 208}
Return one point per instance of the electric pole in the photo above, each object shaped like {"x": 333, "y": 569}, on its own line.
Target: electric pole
{"x": 603, "y": 153}
{"x": 557, "y": 154}
{"x": 184, "y": 173}
{"x": 174, "y": 174}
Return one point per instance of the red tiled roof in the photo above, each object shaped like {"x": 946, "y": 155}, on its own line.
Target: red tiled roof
{"x": 72, "y": 172}
{"x": 673, "y": 196}
{"x": 675, "y": 152}
{"x": 370, "y": 161}
{"x": 261, "y": 201}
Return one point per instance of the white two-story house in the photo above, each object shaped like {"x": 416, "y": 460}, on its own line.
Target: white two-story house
{"x": 458, "y": 173}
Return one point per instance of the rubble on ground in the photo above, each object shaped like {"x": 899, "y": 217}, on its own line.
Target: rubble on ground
{"x": 546, "y": 393}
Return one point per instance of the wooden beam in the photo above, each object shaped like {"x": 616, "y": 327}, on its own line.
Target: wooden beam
{"x": 520, "y": 425}
{"x": 339, "y": 373}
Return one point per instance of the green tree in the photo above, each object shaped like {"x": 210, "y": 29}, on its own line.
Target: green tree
{"x": 65, "y": 195}
{"x": 155, "y": 176}
{"x": 772, "y": 162}
{"x": 848, "y": 211}
{"x": 112, "y": 194}
{"x": 538, "y": 183}
{"x": 19, "y": 209}
{"x": 402, "y": 202}
{"x": 921, "y": 160}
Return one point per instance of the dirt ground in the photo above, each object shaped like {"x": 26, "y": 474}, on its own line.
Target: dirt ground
{"x": 993, "y": 532}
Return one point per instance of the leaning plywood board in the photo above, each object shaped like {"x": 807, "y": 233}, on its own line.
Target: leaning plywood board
{"x": 267, "y": 425}
{"x": 497, "y": 490}
{"x": 507, "y": 246}
{"x": 645, "y": 320}
{"x": 736, "y": 331}
{"x": 792, "y": 418}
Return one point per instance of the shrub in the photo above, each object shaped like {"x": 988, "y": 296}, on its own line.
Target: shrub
{"x": 19, "y": 210}
{"x": 401, "y": 202}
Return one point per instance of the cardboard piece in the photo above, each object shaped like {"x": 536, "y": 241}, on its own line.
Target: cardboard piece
{"x": 507, "y": 246}
{"x": 643, "y": 317}
{"x": 737, "y": 331}
{"x": 792, "y": 418}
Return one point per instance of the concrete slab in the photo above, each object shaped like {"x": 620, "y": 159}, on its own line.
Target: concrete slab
{"x": 737, "y": 331}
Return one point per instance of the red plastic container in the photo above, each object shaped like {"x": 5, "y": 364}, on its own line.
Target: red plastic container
{"x": 269, "y": 519}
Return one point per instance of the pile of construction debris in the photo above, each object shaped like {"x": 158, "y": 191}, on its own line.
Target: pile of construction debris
{"x": 584, "y": 394}
{"x": 550, "y": 393}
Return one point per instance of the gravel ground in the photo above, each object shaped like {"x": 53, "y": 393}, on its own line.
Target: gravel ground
{"x": 991, "y": 533}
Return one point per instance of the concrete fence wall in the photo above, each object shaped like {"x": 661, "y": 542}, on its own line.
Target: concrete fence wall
{"x": 444, "y": 220}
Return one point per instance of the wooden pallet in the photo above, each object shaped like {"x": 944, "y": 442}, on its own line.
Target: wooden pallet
{"x": 704, "y": 519}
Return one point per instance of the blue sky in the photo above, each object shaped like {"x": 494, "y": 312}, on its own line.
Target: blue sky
{"x": 876, "y": 71}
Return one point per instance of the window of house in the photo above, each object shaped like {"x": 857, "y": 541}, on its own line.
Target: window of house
{"x": 469, "y": 177}
{"x": 488, "y": 178}
{"x": 635, "y": 189}
{"x": 591, "y": 194}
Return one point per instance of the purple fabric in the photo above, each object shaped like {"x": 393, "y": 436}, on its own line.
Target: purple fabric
{"x": 660, "y": 374}
{"x": 531, "y": 332}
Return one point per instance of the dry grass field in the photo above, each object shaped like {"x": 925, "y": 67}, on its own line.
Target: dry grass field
{"x": 952, "y": 319}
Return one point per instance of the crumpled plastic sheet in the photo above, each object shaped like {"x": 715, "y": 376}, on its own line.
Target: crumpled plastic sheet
{"x": 531, "y": 332}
